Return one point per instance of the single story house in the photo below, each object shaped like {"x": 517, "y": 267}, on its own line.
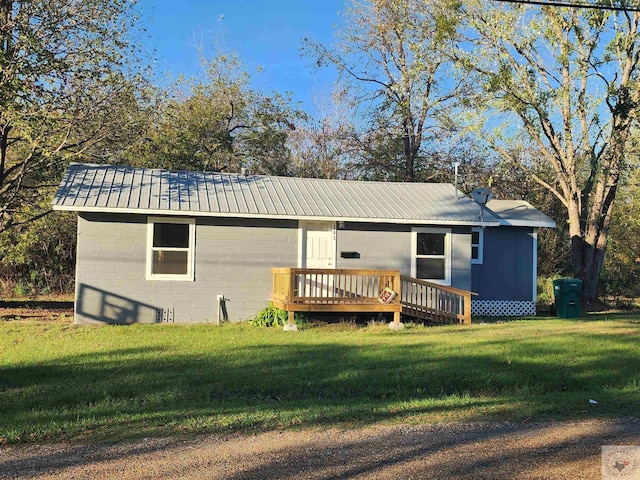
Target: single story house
{"x": 159, "y": 245}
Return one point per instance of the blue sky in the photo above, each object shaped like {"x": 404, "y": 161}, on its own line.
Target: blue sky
{"x": 264, "y": 33}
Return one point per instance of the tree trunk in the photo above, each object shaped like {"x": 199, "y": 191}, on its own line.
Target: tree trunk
{"x": 4, "y": 145}
{"x": 587, "y": 256}
{"x": 587, "y": 261}
{"x": 408, "y": 146}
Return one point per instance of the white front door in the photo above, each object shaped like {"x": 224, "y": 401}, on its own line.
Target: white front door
{"x": 318, "y": 244}
{"x": 317, "y": 250}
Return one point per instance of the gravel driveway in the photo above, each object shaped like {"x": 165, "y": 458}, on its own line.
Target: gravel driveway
{"x": 447, "y": 451}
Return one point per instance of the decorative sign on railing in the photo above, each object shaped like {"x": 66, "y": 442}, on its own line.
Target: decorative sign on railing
{"x": 387, "y": 295}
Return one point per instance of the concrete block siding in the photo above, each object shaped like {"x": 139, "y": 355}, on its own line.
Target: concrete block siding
{"x": 233, "y": 257}
{"x": 384, "y": 246}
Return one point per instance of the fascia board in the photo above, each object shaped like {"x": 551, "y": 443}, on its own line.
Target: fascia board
{"x": 183, "y": 213}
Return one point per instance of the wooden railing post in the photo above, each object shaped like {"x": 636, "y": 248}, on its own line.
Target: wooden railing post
{"x": 292, "y": 285}
{"x": 467, "y": 308}
{"x": 291, "y": 282}
{"x": 396, "y": 288}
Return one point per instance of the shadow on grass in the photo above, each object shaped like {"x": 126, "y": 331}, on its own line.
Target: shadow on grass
{"x": 286, "y": 382}
{"x": 633, "y": 316}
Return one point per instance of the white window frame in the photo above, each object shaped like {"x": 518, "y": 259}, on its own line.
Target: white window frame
{"x": 187, "y": 277}
{"x": 447, "y": 253}
{"x": 480, "y": 245}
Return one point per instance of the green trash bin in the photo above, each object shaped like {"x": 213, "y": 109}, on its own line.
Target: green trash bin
{"x": 567, "y": 292}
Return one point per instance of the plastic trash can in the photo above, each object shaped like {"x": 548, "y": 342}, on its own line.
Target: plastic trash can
{"x": 567, "y": 293}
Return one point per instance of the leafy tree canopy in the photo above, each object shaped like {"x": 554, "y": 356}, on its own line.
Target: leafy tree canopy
{"x": 68, "y": 71}
{"x": 391, "y": 63}
{"x": 568, "y": 78}
{"x": 220, "y": 124}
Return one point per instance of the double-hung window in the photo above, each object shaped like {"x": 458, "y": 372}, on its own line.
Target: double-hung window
{"x": 431, "y": 251}
{"x": 477, "y": 244}
{"x": 170, "y": 248}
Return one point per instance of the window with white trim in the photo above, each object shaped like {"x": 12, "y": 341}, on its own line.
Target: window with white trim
{"x": 170, "y": 248}
{"x": 477, "y": 244}
{"x": 431, "y": 249}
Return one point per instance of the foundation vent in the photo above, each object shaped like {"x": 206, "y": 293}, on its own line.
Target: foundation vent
{"x": 165, "y": 315}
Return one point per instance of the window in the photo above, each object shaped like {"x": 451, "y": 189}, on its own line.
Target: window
{"x": 170, "y": 249}
{"x": 431, "y": 260}
{"x": 477, "y": 244}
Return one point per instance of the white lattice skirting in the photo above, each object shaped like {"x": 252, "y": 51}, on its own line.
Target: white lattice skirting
{"x": 502, "y": 308}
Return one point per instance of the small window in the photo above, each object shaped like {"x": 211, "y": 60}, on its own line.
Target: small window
{"x": 171, "y": 245}
{"x": 477, "y": 245}
{"x": 431, "y": 255}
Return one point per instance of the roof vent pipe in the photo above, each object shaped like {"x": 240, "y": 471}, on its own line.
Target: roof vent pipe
{"x": 455, "y": 168}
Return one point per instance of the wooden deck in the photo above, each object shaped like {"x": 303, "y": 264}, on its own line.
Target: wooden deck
{"x": 355, "y": 290}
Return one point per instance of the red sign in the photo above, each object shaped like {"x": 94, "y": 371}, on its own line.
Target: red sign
{"x": 387, "y": 295}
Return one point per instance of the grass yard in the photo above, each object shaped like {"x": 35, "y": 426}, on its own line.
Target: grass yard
{"x": 65, "y": 382}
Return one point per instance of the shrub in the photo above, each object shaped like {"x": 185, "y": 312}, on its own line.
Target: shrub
{"x": 272, "y": 316}
{"x": 545, "y": 296}
{"x": 39, "y": 256}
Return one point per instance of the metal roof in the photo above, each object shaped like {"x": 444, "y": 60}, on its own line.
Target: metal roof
{"x": 117, "y": 189}
{"x": 518, "y": 213}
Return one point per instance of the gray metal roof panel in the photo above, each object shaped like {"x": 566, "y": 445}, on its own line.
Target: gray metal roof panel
{"x": 519, "y": 213}
{"x": 126, "y": 189}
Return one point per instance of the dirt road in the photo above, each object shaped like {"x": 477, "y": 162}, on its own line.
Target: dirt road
{"x": 551, "y": 451}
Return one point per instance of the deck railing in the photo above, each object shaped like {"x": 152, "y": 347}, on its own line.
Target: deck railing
{"x": 431, "y": 301}
{"x": 315, "y": 286}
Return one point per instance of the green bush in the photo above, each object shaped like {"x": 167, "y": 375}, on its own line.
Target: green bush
{"x": 545, "y": 296}
{"x": 272, "y": 316}
{"x": 38, "y": 257}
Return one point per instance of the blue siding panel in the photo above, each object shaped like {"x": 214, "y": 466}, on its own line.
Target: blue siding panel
{"x": 379, "y": 246}
{"x": 507, "y": 270}
{"x": 461, "y": 258}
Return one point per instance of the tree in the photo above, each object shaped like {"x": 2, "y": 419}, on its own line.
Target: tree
{"x": 391, "y": 63}
{"x": 322, "y": 149}
{"x": 569, "y": 78}
{"x": 67, "y": 73}
{"x": 220, "y": 124}
{"x": 621, "y": 270}
{"x": 511, "y": 181}
{"x": 39, "y": 256}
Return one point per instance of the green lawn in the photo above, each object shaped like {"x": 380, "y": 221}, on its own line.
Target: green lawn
{"x": 64, "y": 382}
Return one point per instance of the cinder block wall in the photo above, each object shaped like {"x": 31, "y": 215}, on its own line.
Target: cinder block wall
{"x": 233, "y": 257}
{"x": 386, "y": 246}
